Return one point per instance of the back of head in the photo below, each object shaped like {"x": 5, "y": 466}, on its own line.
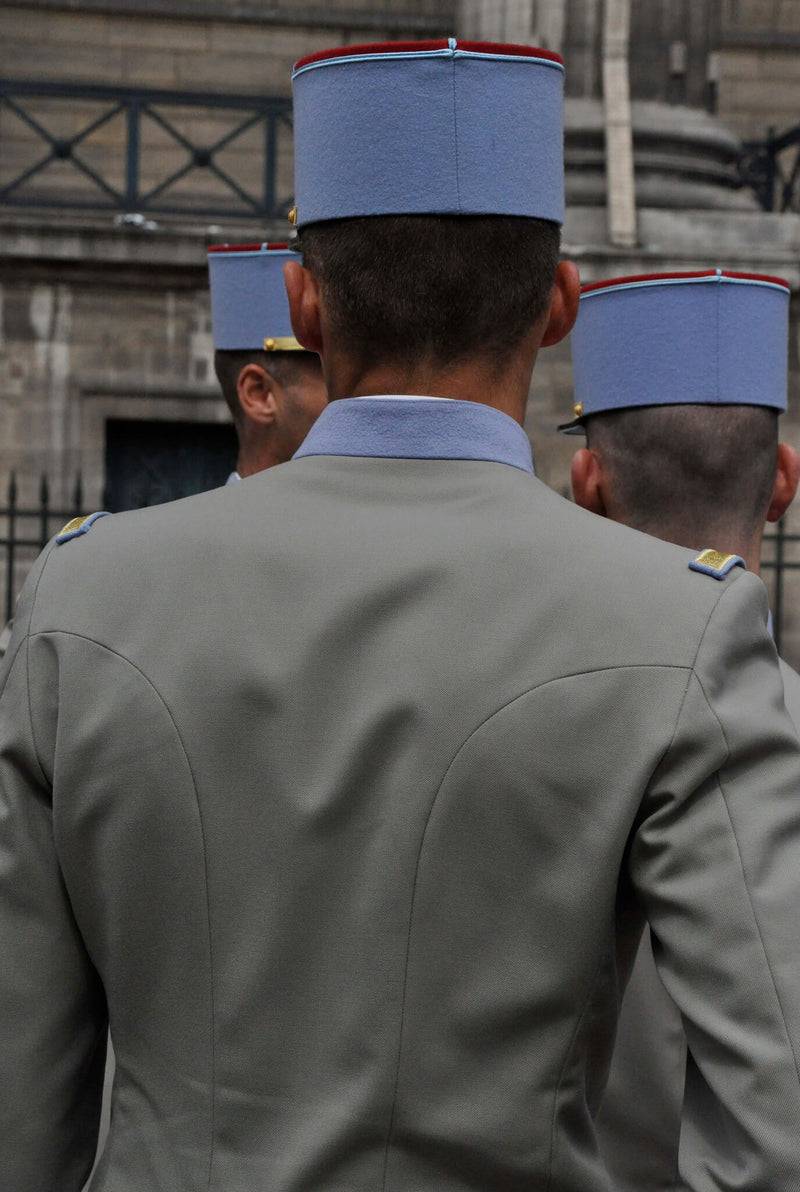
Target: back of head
{"x": 679, "y": 380}
{"x": 432, "y": 289}
{"x": 696, "y": 475}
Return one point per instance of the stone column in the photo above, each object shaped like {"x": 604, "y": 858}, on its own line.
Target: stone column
{"x": 618, "y": 124}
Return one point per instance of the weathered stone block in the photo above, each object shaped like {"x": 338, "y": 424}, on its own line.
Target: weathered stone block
{"x": 149, "y": 68}
{"x": 219, "y": 72}
{"x": 75, "y": 28}
{"x": 740, "y": 64}
{"x": 43, "y": 60}
{"x": 788, "y": 18}
{"x": 155, "y": 34}
{"x": 24, "y": 25}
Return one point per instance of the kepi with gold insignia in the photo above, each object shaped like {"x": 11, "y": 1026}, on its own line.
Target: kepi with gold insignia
{"x": 709, "y": 337}
{"x": 249, "y": 307}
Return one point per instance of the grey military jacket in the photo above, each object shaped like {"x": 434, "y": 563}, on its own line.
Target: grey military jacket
{"x": 355, "y": 882}
{"x": 639, "y": 1123}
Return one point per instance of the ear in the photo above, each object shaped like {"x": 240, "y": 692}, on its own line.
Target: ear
{"x": 256, "y": 392}
{"x": 302, "y": 290}
{"x": 563, "y": 304}
{"x": 587, "y": 481}
{"x": 787, "y": 475}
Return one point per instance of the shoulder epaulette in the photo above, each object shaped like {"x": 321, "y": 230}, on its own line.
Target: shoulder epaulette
{"x": 713, "y": 563}
{"x": 78, "y": 526}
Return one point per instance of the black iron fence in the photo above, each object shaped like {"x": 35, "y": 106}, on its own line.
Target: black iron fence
{"x": 29, "y": 527}
{"x": 778, "y": 556}
{"x": 143, "y": 151}
{"x": 771, "y": 167}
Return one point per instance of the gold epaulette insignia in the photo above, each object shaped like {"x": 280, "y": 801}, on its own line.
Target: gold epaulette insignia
{"x": 715, "y": 564}
{"x": 78, "y": 526}
{"x": 73, "y": 525}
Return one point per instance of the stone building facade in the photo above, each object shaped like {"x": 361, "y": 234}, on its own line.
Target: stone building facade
{"x": 105, "y": 344}
{"x": 103, "y": 306}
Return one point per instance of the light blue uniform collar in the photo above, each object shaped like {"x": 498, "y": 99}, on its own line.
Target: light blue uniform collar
{"x": 403, "y": 428}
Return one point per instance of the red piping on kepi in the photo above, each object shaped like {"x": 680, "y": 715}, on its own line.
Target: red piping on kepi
{"x": 640, "y": 278}
{"x": 427, "y": 47}
{"x": 244, "y": 247}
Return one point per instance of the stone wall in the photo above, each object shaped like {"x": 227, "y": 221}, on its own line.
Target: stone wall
{"x": 98, "y": 320}
{"x": 759, "y": 66}
{"x": 113, "y": 326}
{"x": 759, "y": 89}
{"x": 145, "y": 44}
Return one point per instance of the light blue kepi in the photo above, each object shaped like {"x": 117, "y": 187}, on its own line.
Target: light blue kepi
{"x": 709, "y": 337}
{"x": 428, "y": 128}
{"x": 249, "y": 307}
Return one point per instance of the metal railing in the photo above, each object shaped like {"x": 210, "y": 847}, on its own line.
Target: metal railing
{"x": 138, "y": 168}
{"x": 778, "y": 543}
{"x": 771, "y": 168}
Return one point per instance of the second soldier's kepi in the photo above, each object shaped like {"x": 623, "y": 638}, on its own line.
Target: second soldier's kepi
{"x": 272, "y": 386}
{"x": 249, "y": 309}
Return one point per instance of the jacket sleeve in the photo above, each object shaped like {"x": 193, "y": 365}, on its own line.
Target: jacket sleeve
{"x": 53, "y": 1022}
{"x": 716, "y": 861}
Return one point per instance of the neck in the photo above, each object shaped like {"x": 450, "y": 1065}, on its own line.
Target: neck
{"x": 729, "y": 542}
{"x": 732, "y": 543}
{"x": 503, "y": 387}
{"x": 752, "y": 556}
{"x": 250, "y": 462}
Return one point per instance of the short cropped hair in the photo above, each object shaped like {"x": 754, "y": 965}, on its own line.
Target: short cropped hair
{"x": 690, "y": 472}
{"x": 438, "y": 288}
{"x": 287, "y": 368}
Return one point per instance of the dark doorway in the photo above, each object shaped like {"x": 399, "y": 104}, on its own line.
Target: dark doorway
{"x": 148, "y": 463}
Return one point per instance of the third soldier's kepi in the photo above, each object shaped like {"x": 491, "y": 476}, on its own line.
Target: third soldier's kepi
{"x": 710, "y": 337}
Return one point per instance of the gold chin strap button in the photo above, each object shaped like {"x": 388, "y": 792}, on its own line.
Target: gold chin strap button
{"x": 577, "y": 409}
{"x": 282, "y": 343}
{"x": 293, "y": 217}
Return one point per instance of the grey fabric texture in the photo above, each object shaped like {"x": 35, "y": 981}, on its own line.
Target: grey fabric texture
{"x": 639, "y": 1122}
{"x": 352, "y": 881}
